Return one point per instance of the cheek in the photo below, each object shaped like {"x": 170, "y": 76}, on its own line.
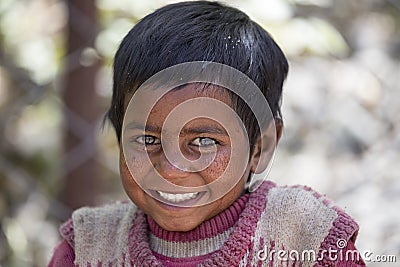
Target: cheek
{"x": 218, "y": 166}
{"x": 135, "y": 167}
{"x": 132, "y": 171}
{"x": 131, "y": 186}
{"x": 126, "y": 176}
{"x": 231, "y": 171}
{"x": 132, "y": 189}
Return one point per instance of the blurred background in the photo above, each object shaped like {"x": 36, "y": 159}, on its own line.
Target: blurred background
{"x": 341, "y": 109}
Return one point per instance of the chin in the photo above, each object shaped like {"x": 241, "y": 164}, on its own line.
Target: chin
{"x": 179, "y": 225}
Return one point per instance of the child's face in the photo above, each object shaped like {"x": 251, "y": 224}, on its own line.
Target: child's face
{"x": 198, "y": 134}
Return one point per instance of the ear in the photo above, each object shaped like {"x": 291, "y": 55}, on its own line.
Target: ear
{"x": 263, "y": 151}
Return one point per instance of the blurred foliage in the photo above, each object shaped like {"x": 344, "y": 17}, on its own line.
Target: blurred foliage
{"x": 341, "y": 109}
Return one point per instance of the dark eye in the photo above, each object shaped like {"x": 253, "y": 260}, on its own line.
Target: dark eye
{"x": 204, "y": 142}
{"x": 147, "y": 140}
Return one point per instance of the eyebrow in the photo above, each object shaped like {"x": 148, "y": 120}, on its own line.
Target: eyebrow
{"x": 147, "y": 128}
{"x": 192, "y": 130}
{"x": 204, "y": 129}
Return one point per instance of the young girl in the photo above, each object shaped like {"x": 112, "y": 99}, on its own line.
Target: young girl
{"x": 188, "y": 163}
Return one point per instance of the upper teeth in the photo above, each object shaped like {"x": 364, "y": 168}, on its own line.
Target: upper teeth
{"x": 177, "y": 197}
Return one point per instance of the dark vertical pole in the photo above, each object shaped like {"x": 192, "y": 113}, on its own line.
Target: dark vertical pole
{"x": 80, "y": 181}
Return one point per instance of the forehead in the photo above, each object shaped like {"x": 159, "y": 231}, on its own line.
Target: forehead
{"x": 175, "y": 97}
{"x": 189, "y": 105}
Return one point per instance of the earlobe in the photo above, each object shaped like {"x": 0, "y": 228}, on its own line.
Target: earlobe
{"x": 265, "y": 147}
{"x": 279, "y": 129}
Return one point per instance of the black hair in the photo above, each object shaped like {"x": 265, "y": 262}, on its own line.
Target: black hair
{"x": 199, "y": 31}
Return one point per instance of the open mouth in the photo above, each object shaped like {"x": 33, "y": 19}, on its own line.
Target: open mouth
{"x": 178, "y": 199}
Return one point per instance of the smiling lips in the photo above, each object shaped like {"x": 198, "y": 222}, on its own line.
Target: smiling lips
{"x": 176, "y": 198}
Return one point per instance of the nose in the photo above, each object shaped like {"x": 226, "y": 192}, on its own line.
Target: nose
{"x": 167, "y": 169}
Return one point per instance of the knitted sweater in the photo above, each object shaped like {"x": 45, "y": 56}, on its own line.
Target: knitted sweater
{"x": 273, "y": 226}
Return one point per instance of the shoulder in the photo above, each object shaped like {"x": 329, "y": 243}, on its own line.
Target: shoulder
{"x": 63, "y": 255}
{"x": 99, "y": 233}
{"x": 110, "y": 216}
{"x": 300, "y": 219}
{"x": 312, "y": 209}
{"x": 118, "y": 209}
